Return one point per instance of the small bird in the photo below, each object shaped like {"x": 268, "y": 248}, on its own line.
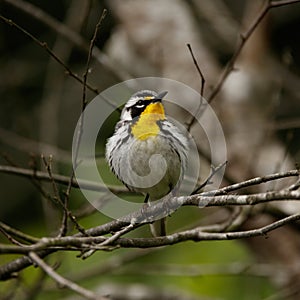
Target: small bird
{"x": 148, "y": 152}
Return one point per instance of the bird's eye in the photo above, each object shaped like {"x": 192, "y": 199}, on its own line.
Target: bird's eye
{"x": 140, "y": 104}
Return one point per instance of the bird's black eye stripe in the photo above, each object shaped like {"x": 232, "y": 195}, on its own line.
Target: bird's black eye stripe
{"x": 142, "y": 103}
{"x": 139, "y": 107}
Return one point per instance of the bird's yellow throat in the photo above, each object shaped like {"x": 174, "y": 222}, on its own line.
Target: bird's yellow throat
{"x": 146, "y": 126}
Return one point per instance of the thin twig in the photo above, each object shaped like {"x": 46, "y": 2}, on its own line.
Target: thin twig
{"x": 48, "y": 165}
{"x": 63, "y": 282}
{"x": 214, "y": 170}
{"x": 90, "y": 53}
{"x": 80, "y": 131}
{"x": 202, "y": 78}
{"x": 19, "y": 234}
{"x": 44, "y": 176}
{"x": 10, "y": 238}
{"x": 49, "y": 51}
{"x": 243, "y": 39}
{"x": 84, "y": 101}
{"x": 58, "y": 198}
{"x": 117, "y": 235}
{"x": 89, "y": 185}
{"x": 196, "y": 234}
{"x": 64, "y": 224}
{"x": 107, "y": 242}
{"x": 47, "y": 246}
{"x": 224, "y": 226}
{"x": 254, "y": 181}
{"x": 70, "y": 35}
{"x": 199, "y": 70}
{"x": 36, "y": 182}
{"x": 54, "y": 56}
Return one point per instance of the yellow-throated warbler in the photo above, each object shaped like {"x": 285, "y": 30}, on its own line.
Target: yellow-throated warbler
{"x": 148, "y": 152}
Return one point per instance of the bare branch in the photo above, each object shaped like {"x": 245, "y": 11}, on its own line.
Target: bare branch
{"x": 255, "y": 181}
{"x": 9, "y": 237}
{"x": 63, "y": 228}
{"x": 63, "y": 282}
{"x": 85, "y": 76}
{"x": 44, "y": 176}
{"x": 198, "y": 69}
{"x": 18, "y": 234}
{"x": 48, "y": 165}
{"x": 196, "y": 234}
{"x": 49, "y": 51}
{"x": 104, "y": 245}
{"x": 111, "y": 235}
{"x": 202, "y": 78}
{"x": 214, "y": 171}
{"x": 90, "y": 53}
{"x": 89, "y": 185}
{"x": 243, "y": 39}
{"x": 70, "y": 35}
{"x": 78, "y": 242}
{"x": 58, "y": 198}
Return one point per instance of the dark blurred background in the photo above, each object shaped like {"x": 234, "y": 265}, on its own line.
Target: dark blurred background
{"x": 258, "y": 106}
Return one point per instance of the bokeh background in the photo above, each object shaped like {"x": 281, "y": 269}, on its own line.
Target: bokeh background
{"x": 258, "y": 106}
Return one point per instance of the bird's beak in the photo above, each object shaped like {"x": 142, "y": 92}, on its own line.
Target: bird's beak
{"x": 161, "y": 95}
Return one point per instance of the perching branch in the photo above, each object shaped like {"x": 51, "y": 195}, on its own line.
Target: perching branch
{"x": 78, "y": 242}
{"x": 118, "y": 233}
{"x": 74, "y": 243}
